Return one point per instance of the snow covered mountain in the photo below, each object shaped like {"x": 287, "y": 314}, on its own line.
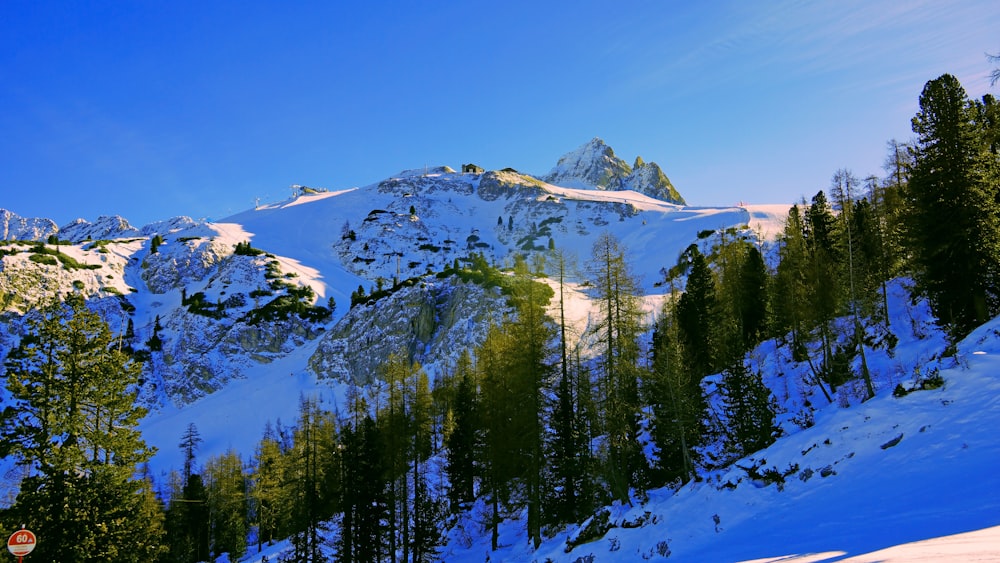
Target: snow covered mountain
{"x": 15, "y": 227}
{"x": 194, "y": 302}
{"x": 242, "y": 317}
{"x": 595, "y": 166}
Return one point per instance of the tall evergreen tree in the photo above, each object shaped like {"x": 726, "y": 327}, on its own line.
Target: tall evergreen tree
{"x": 270, "y": 503}
{"x": 226, "y": 490}
{"x": 617, "y": 330}
{"x": 568, "y": 445}
{"x": 462, "y": 440}
{"x": 425, "y": 509}
{"x": 954, "y": 227}
{"x": 698, "y": 317}
{"x": 305, "y": 476}
{"x": 825, "y": 285}
{"x": 790, "y": 282}
{"x": 673, "y": 391}
{"x": 843, "y": 188}
{"x": 71, "y": 421}
{"x": 749, "y": 410}
{"x": 500, "y": 457}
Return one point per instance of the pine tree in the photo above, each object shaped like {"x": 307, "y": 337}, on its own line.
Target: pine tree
{"x": 749, "y": 409}
{"x": 790, "y": 287}
{"x": 568, "y": 446}
{"x": 500, "y": 456}
{"x": 226, "y": 490}
{"x": 531, "y": 369}
{"x": 674, "y": 394}
{"x": 741, "y": 295}
{"x": 425, "y": 509}
{"x": 953, "y": 227}
{"x": 698, "y": 317}
{"x": 825, "y": 282}
{"x": 463, "y": 439}
{"x": 71, "y": 420}
{"x": 189, "y": 445}
{"x": 394, "y": 424}
{"x": 617, "y": 330}
{"x": 304, "y": 474}
{"x": 187, "y": 521}
{"x": 844, "y": 184}
{"x": 270, "y": 505}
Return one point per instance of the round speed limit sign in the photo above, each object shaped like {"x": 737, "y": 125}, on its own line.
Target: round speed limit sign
{"x": 21, "y": 543}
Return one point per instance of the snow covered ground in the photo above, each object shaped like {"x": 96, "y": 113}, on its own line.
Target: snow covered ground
{"x": 912, "y": 478}
{"x": 896, "y": 479}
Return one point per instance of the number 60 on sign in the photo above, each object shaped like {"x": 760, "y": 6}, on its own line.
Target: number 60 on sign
{"x": 21, "y": 543}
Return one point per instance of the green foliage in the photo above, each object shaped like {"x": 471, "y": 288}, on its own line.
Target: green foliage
{"x": 617, "y": 329}
{"x": 954, "y": 221}
{"x": 44, "y": 259}
{"x": 154, "y": 244}
{"x": 244, "y": 249}
{"x": 51, "y": 257}
{"x": 462, "y": 437}
{"x": 295, "y": 301}
{"x": 749, "y": 409}
{"x": 72, "y": 422}
{"x": 674, "y": 394}
{"x": 698, "y": 317}
{"x": 196, "y": 304}
{"x": 226, "y": 494}
{"x": 272, "y": 270}
{"x": 155, "y": 344}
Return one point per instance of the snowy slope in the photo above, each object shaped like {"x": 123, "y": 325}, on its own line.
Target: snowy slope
{"x": 910, "y": 478}
{"x": 305, "y": 234}
{"x": 878, "y": 474}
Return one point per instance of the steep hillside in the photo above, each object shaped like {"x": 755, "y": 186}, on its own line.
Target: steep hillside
{"x": 845, "y": 480}
{"x": 263, "y": 299}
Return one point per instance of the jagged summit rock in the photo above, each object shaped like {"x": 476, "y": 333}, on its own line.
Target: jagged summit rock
{"x": 106, "y": 227}
{"x": 15, "y": 227}
{"x": 648, "y": 178}
{"x": 595, "y": 166}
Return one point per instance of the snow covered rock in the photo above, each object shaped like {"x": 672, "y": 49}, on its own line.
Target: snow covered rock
{"x": 15, "y": 227}
{"x": 429, "y": 322}
{"x": 648, "y": 178}
{"x": 106, "y": 227}
{"x": 595, "y": 166}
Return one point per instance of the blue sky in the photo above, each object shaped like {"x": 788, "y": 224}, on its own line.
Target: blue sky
{"x": 152, "y": 109}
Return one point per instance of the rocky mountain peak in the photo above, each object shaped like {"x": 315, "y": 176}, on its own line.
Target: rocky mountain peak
{"x": 648, "y": 178}
{"x": 15, "y": 227}
{"x": 106, "y": 227}
{"x": 594, "y": 165}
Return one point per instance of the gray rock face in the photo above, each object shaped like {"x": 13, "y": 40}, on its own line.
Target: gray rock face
{"x": 648, "y": 178}
{"x": 432, "y": 321}
{"x": 177, "y": 263}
